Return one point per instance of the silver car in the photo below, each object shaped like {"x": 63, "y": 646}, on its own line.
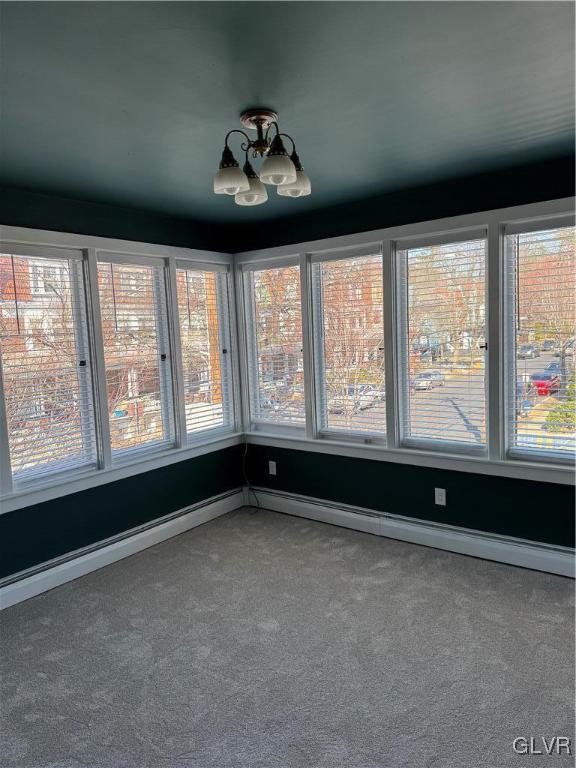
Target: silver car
{"x": 427, "y": 380}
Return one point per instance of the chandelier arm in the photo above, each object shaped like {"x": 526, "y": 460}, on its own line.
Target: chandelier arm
{"x": 287, "y": 136}
{"x": 275, "y": 124}
{"x": 237, "y": 130}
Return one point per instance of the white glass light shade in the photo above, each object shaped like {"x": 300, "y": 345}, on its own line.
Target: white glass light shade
{"x": 299, "y": 188}
{"x": 278, "y": 169}
{"x": 230, "y": 181}
{"x": 255, "y": 195}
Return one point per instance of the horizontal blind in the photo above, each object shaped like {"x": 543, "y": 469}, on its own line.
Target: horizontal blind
{"x": 541, "y": 363}
{"x": 350, "y": 357}
{"x": 136, "y": 353}
{"x": 275, "y": 345}
{"x": 206, "y": 380}
{"x": 46, "y": 366}
{"x": 442, "y": 329}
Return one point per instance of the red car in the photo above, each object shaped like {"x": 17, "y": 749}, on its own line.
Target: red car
{"x": 545, "y": 383}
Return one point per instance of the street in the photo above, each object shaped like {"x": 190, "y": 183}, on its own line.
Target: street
{"x": 454, "y": 411}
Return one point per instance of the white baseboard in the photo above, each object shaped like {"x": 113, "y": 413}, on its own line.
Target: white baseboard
{"x": 503, "y": 549}
{"x": 84, "y": 561}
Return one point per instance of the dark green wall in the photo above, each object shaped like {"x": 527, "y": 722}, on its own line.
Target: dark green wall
{"x": 24, "y": 208}
{"x": 516, "y": 186}
{"x": 520, "y": 185}
{"x": 542, "y": 512}
{"x": 537, "y": 511}
{"x": 34, "y": 534}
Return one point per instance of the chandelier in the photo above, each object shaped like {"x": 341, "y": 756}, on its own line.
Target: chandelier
{"x": 279, "y": 169}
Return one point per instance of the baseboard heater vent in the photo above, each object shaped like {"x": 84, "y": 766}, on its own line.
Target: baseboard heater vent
{"x": 33, "y": 581}
{"x": 503, "y": 549}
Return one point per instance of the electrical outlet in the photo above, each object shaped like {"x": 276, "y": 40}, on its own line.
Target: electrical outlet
{"x": 440, "y": 496}
{"x": 271, "y": 467}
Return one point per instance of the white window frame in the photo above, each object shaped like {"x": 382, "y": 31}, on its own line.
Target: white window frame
{"x": 402, "y": 370}
{"x": 9, "y": 484}
{"x": 245, "y": 301}
{"x": 322, "y": 430}
{"x": 508, "y": 339}
{"x": 168, "y": 385}
{"x": 498, "y": 462}
{"x": 494, "y": 459}
{"x": 225, "y": 324}
{"x": 92, "y": 250}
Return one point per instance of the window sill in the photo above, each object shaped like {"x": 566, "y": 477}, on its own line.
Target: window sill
{"x": 512, "y": 468}
{"x": 83, "y": 480}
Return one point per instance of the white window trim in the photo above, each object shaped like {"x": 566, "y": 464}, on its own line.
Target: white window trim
{"x": 316, "y": 346}
{"x": 75, "y": 256}
{"x": 515, "y": 469}
{"x": 494, "y": 457}
{"x": 507, "y": 341}
{"x": 169, "y": 396}
{"x": 226, "y": 317}
{"x": 245, "y": 301}
{"x": 499, "y": 461}
{"x": 91, "y": 249}
{"x": 405, "y": 440}
{"x": 82, "y": 481}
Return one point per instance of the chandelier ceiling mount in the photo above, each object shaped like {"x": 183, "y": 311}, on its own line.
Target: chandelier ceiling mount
{"x": 279, "y": 169}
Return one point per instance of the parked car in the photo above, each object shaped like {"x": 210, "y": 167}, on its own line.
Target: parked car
{"x": 528, "y": 352}
{"x": 553, "y": 368}
{"x": 545, "y": 383}
{"x": 548, "y": 345}
{"x": 379, "y": 391}
{"x": 424, "y": 381}
{"x": 438, "y": 376}
{"x": 356, "y": 397}
{"x": 269, "y": 403}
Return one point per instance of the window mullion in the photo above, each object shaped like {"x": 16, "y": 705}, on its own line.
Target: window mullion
{"x": 391, "y": 358}
{"x": 308, "y": 350}
{"x": 176, "y": 356}
{"x": 320, "y": 394}
{"x": 251, "y": 349}
{"x": 496, "y": 411}
{"x": 165, "y": 351}
{"x": 401, "y": 373}
{"x": 242, "y": 361}
{"x": 5, "y": 467}
{"x": 98, "y": 364}
{"x": 79, "y": 298}
{"x": 224, "y": 316}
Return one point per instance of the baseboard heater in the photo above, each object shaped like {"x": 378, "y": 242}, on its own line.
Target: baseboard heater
{"x": 26, "y": 584}
{"x": 33, "y": 581}
{"x": 488, "y": 546}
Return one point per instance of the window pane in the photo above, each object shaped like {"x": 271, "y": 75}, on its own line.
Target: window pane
{"x": 46, "y": 368}
{"x": 277, "y": 373}
{"x": 443, "y": 342}
{"x": 133, "y": 307}
{"x": 542, "y": 368}
{"x": 351, "y": 354}
{"x": 198, "y": 310}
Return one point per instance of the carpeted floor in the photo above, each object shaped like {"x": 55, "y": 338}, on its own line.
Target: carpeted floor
{"x": 265, "y": 641}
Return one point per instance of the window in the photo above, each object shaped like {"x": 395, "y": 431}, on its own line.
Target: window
{"x": 274, "y": 328}
{"x": 542, "y": 334}
{"x": 205, "y": 351}
{"x": 136, "y": 353}
{"x": 348, "y": 312}
{"x": 46, "y": 367}
{"x": 442, "y": 342}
